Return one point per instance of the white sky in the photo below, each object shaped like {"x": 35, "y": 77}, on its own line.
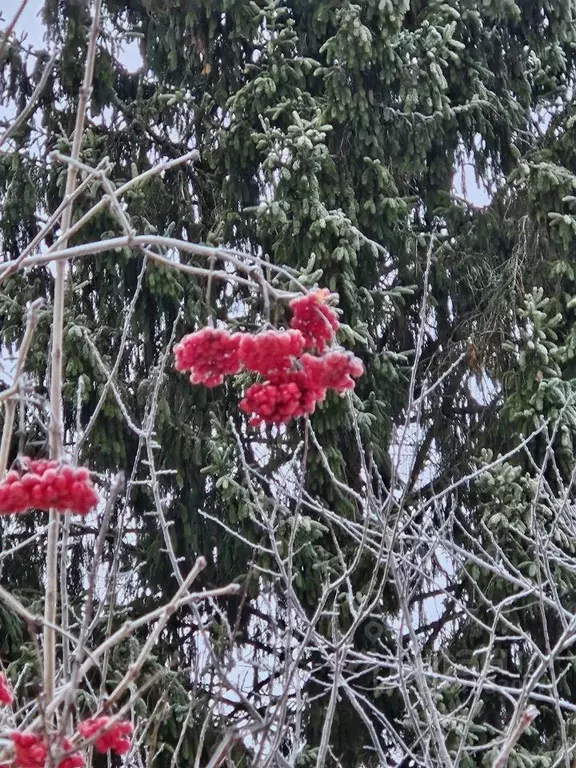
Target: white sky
{"x": 28, "y": 21}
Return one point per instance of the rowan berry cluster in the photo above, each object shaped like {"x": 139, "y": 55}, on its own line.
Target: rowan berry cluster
{"x": 116, "y": 737}
{"x": 334, "y": 370}
{"x": 295, "y": 381}
{"x": 209, "y": 355}
{"x": 32, "y": 750}
{"x": 47, "y": 485}
{"x": 282, "y": 398}
{"x": 315, "y": 319}
{"x": 271, "y": 353}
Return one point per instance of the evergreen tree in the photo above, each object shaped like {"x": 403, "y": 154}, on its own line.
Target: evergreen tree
{"x": 328, "y": 135}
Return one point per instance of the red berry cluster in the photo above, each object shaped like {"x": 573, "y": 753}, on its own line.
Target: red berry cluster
{"x": 295, "y": 382}
{"x": 32, "y": 751}
{"x": 6, "y": 695}
{"x": 334, "y": 370}
{"x": 209, "y": 355}
{"x": 47, "y": 485}
{"x": 272, "y": 352}
{"x": 314, "y": 319}
{"x": 116, "y": 737}
{"x": 289, "y": 395}
{"x": 282, "y": 398}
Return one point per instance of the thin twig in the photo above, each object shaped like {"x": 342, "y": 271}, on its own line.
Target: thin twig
{"x": 23, "y": 116}
{"x": 527, "y": 717}
{"x": 56, "y": 436}
{"x": 8, "y": 394}
{"x": 9, "y": 29}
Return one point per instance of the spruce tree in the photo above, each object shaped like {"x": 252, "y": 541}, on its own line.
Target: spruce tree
{"x": 328, "y": 135}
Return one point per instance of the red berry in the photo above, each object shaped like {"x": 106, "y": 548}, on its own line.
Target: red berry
{"x": 18, "y": 496}
{"x": 29, "y": 480}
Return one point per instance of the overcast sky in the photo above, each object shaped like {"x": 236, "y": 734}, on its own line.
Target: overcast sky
{"x": 28, "y": 20}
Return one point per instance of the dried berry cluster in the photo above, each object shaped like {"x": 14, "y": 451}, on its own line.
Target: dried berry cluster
{"x": 47, "y": 485}
{"x": 32, "y": 750}
{"x": 295, "y": 380}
